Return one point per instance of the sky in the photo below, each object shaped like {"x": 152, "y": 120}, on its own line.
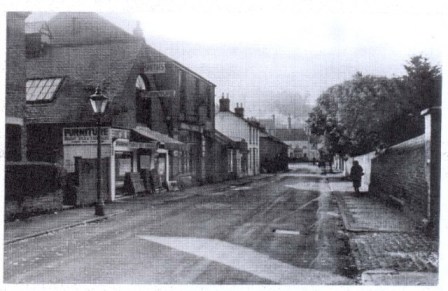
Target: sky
{"x": 263, "y": 51}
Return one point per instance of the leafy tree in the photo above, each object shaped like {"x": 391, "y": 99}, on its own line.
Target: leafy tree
{"x": 367, "y": 112}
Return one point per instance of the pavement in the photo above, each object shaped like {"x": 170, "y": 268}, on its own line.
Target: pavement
{"x": 387, "y": 247}
{"x": 47, "y": 223}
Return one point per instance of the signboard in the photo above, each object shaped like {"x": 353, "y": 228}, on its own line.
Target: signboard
{"x": 155, "y": 68}
{"x": 160, "y": 94}
{"x": 120, "y": 133}
{"x": 85, "y": 135}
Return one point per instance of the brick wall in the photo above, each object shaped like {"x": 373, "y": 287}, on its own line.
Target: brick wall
{"x": 398, "y": 177}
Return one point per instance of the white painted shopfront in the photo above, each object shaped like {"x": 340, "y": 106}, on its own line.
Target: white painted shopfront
{"x": 124, "y": 155}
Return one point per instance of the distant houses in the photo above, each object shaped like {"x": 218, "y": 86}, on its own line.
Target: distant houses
{"x": 302, "y": 146}
{"x": 239, "y": 129}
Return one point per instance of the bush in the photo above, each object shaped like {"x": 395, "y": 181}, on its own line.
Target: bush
{"x": 32, "y": 180}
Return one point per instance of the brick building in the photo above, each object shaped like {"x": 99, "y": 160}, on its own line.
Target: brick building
{"x": 239, "y": 129}
{"x": 15, "y": 135}
{"x": 160, "y": 114}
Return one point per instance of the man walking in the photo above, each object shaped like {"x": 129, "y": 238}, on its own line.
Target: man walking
{"x": 356, "y": 173}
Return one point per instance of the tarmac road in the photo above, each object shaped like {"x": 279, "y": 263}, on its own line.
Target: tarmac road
{"x": 283, "y": 230}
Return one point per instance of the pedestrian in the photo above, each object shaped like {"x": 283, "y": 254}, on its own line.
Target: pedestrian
{"x": 356, "y": 173}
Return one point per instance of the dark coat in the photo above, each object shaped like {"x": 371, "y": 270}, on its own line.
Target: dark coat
{"x": 356, "y": 173}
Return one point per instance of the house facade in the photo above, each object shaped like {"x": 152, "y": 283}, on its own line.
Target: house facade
{"x": 300, "y": 144}
{"x": 237, "y": 128}
{"x": 160, "y": 114}
{"x": 15, "y": 135}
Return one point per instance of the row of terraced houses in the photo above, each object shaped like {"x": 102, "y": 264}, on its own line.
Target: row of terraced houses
{"x": 160, "y": 116}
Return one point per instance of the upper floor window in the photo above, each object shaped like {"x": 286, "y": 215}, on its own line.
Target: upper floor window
{"x": 143, "y": 108}
{"x": 140, "y": 84}
{"x": 42, "y": 89}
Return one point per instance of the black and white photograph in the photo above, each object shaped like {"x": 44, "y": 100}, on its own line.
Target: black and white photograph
{"x": 203, "y": 144}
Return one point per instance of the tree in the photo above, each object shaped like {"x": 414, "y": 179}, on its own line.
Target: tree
{"x": 370, "y": 112}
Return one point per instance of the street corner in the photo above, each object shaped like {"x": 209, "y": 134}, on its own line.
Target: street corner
{"x": 393, "y": 277}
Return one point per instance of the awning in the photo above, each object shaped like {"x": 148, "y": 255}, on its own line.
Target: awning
{"x": 169, "y": 142}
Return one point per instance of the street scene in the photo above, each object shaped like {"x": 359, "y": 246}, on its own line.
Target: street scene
{"x": 139, "y": 153}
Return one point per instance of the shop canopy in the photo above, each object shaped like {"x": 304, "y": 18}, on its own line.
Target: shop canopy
{"x": 163, "y": 139}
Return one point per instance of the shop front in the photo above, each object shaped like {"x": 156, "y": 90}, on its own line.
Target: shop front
{"x": 123, "y": 154}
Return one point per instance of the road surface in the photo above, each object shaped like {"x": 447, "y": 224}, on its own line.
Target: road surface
{"x": 285, "y": 229}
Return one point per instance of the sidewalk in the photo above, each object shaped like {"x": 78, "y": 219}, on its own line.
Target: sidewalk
{"x": 43, "y": 224}
{"x": 387, "y": 247}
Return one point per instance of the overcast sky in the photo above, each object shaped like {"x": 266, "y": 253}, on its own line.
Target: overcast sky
{"x": 258, "y": 50}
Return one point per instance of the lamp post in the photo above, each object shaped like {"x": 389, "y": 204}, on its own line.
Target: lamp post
{"x": 98, "y": 102}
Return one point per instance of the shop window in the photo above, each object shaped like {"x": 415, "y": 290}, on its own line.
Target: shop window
{"x": 41, "y": 90}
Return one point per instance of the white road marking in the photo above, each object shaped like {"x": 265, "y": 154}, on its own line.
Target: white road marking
{"x": 247, "y": 260}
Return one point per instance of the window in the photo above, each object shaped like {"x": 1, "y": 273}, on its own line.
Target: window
{"x": 143, "y": 106}
{"x": 42, "y": 89}
{"x": 140, "y": 84}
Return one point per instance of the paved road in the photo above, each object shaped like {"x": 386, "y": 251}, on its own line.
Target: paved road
{"x": 283, "y": 230}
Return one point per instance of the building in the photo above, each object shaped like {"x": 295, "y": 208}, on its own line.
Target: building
{"x": 15, "y": 135}
{"x": 302, "y": 146}
{"x": 273, "y": 154}
{"x": 239, "y": 129}
{"x": 227, "y": 152}
{"x": 160, "y": 114}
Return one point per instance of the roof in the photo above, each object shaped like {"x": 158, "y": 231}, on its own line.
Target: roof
{"x": 273, "y": 138}
{"x": 99, "y": 52}
{"x": 248, "y": 121}
{"x": 170, "y": 142}
{"x": 223, "y": 139}
{"x": 293, "y": 134}
{"x": 83, "y": 68}
{"x": 35, "y": 27}
{"x": 75, "y": 28}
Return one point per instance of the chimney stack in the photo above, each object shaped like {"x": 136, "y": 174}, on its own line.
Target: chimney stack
{"x": 239, "y": 110}
{"x": 224, "y": 103}
{"x": 289, "y": 122}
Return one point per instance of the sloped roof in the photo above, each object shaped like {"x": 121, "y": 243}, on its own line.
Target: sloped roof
{"x": 86, "y": 50}
{"x": 83, "y": 68}
{"x": 160, "y": 137}
{"x": 293, "y": 134}
{"x": 35, "y": 27}
{"x": 75, "y": 28}
{"x": 271, "y": 137}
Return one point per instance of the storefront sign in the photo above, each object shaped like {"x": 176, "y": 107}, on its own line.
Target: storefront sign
{"x": 85, "y": 135}
{"x": 120, "y": 133}
{"x": 155, "y": 68}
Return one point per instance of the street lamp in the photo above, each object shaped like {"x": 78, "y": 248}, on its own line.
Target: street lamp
{"x": 98, "y": 102}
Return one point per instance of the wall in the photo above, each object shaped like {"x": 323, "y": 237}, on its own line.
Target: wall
{"x": 16, "y": 79}
{"x": 237, "y": 129}
{"x": 365, "y": 162}
{"x": 87, "y": 192}
{"x": 398, "y": 177}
